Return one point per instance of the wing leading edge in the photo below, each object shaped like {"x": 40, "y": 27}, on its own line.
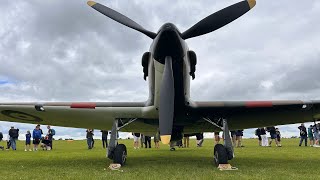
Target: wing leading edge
{"x": 99, "y": 115}
{"x": 252, "y": 114}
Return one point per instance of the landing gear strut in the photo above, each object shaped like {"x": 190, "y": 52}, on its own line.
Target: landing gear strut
{"x": 118, "y": 152}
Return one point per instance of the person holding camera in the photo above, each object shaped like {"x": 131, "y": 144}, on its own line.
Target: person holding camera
{"x": 303, "y": 135}
{"x": 14, "y": 134}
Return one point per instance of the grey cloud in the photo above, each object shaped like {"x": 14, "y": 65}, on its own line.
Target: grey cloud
{"x": 66, "y": 51}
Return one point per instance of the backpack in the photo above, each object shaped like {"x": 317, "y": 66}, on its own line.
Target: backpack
{"x": 1, "y": 136}
{"x": 53, "y": 132}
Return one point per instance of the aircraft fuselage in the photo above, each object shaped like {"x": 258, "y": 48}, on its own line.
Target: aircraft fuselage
{"x": 169, "y": 43}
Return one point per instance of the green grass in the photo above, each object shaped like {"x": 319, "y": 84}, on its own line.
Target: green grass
{"x": 71, "y": 160}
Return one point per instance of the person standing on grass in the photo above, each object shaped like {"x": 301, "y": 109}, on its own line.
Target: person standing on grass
{"x": 273, "y": 135}
{"x": 89, "y": 137}
{"x": 239, "y": 134}
{"x": 264, "y": 138}
{"x": 258, "y": 133}
{"x": 104, "y": 138}
{"x": 28, "y": 141}
{"x": 156, "y": 140}
{"x": 14, "y": 134}
{"x": 186, "y": 140}
{"x": 36, "y": 134}
{"x": 147, "y": 141}
{"x": 278, "y": 137}
{"x": 51, "y": 133}
{"x": 303, "y": 135}
{"x": 310, "y": 135}
{"x": 136, "y": 137}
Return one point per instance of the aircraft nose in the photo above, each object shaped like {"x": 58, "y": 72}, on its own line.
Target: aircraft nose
{"x": 168, "y": 27}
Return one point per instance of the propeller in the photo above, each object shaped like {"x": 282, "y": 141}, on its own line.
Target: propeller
{"x": 120, "y": 18}
{"x": 166, "y": 104}
{"x": 219, "y": 19}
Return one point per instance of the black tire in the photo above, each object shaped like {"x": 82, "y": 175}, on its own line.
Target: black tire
{"x": 230, "y": 154}
{"x": 220, "y": 155}
{"x": 120, "y": 154}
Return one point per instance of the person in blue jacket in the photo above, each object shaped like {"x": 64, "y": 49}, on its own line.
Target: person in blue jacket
{"x": 36, "y": 137}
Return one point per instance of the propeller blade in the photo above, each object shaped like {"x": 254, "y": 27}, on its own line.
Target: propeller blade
{"x": 166, "y": 106}
{"x": 120, "y": 18}
{"x": 219, "y": 19}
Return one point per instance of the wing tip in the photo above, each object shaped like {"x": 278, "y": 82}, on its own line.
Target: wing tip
{"x": 91, "y": 3}
{"x": 251, "y": 3}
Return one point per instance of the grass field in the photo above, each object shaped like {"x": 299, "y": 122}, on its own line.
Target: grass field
{"x": 71, "y": 160}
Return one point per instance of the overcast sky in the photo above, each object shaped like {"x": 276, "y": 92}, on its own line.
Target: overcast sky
{"x": 65, "y": 51}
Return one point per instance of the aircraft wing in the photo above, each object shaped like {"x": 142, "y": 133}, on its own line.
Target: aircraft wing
{"x": 98, "y": 115}
{"x": 252, "y": 114}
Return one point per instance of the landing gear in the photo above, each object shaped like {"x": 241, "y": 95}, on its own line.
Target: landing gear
{"x": 222, "y": 153}
{"x": 117, "y": 152}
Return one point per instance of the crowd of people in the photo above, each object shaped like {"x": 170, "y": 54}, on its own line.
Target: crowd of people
{"x": 90, "y": 139}
{"x": 140, "y": 140}
{"x": 263, "y": 140}
{"x": 145, "y": 141}
{"x": 312, "y": 133}
{"x": 45, "y": 141}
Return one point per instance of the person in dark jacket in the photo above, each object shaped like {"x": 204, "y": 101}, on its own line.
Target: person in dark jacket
{"x": 258, "y": 133}
{"x": 278, "y": 137}
{"x": 147, "y": 141}
{"x": 28, "y": 141}
{"x": 89, "y": 137}
{"x": 303, "y": 135}
{"x": 104, "y": 138}
{"x": 273, "y": 135}
{"x": 14, "y": 134}
{"x": 50, "y": 135}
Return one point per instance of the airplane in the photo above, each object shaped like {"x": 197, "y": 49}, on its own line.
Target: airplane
{"x": 168, "y": 66}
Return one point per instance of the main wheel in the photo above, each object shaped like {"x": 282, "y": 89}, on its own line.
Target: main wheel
{"x": 120, "y": 154}
{"x": 220, "y": 155}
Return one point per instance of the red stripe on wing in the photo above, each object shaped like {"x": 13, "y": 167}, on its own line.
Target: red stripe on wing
{"x": 254, "y": 104}
{"x": 83, "y": 105}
